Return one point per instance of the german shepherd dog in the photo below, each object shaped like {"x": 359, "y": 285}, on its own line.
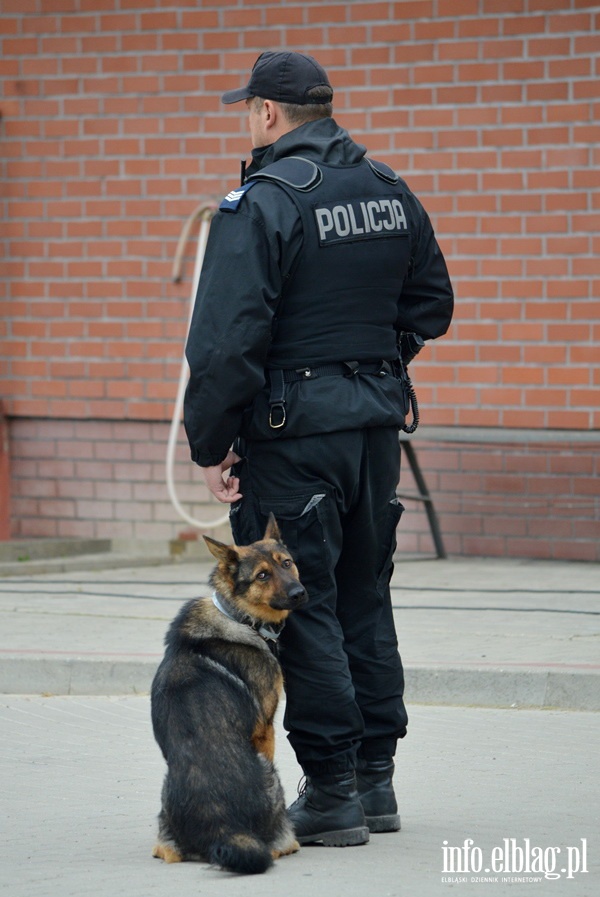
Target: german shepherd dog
{"x": 214, "y": 697}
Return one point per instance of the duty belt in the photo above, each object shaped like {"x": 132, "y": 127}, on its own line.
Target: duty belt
{"x": 279, "y": 377}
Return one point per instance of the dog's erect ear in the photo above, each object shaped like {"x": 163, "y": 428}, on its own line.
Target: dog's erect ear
{"x": 221, "y": 551}
{"x": 272, "y": 530}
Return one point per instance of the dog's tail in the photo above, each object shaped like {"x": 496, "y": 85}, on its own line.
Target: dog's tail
{"x": 245, "y": 854}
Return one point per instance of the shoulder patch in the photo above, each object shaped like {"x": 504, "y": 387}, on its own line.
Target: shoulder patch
{"x": 383, "y": 171}
{"x": 233, "y": 199}
{"x": 293, "y": 171}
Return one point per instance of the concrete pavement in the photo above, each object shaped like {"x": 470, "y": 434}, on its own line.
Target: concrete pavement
{"x": 80, "y": 779}
{"x": 481, "y": 788}
{"x": 471, "y": 631}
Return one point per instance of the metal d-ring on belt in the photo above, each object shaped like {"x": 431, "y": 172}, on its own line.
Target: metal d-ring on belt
{"x": 278, "y": 379}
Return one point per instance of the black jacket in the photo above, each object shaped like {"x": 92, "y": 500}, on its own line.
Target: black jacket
{"x": 272, "y": 283}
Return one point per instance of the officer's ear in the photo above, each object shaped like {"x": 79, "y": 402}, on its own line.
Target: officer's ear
{"x": 270, "y": 112}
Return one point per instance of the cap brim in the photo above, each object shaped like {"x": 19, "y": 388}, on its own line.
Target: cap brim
{"x": 234, "y": 96}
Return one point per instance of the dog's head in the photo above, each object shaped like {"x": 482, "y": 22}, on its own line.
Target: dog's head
{"x": 261, "y": 579}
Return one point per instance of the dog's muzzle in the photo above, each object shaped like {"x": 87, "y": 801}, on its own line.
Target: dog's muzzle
{"x": 295, "y": 596}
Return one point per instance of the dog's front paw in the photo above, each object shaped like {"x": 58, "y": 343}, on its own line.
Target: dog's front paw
{"x": 167, "y": 853}
{"x": 293, "y": 847}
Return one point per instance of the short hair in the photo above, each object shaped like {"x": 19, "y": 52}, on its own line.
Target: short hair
{"x": 320, "y": 107}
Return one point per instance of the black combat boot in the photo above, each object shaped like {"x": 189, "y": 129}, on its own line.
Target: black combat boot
{"x": 329, "y": 810}
{"x": 376, "y": 792}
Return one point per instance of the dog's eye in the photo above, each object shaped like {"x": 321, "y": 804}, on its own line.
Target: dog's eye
{"x": 262, "y": 575}
{"x": 286, "y": 563}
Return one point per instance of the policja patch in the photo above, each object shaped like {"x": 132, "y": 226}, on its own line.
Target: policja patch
{"x": 358, "y": 219}
{"x": 233, "y": 199}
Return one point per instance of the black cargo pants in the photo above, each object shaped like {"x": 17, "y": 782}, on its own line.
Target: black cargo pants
{"x": 334, "y": 498}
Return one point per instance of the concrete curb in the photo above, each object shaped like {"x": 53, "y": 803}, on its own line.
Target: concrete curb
{"x": 529, "y": 687}
{"x": 26, "y": 550}
{"x": 500, "y": 687}
{"x": 84, "y": 563}
{"x": 75, "y": 676}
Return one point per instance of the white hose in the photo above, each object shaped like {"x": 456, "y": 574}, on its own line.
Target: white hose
{"x": 204, "y": 214}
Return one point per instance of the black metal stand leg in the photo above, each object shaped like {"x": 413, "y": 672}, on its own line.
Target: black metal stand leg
{"x": 425, "y": 497}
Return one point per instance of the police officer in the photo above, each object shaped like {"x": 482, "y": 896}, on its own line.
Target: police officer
{"x": 315, "y": 267}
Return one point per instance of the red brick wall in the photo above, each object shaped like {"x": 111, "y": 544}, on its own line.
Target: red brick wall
{"x": 112, "y": 132}
{"x": 99, "y": 479}
{"x": 507, "y": 497}
{"x": 5, "y": 479}
{"x": 106, "y": 480}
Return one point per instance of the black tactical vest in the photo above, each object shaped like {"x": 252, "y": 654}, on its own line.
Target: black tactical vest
{"x": 341, "y": 300}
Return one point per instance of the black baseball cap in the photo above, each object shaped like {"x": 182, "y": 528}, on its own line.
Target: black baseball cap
{"x": 284, "y": 78}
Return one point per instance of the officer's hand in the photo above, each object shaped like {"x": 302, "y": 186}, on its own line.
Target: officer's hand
{"x": 223, "y": 489}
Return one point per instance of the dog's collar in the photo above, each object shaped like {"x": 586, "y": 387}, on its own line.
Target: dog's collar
{"x": 268, "y": 631}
